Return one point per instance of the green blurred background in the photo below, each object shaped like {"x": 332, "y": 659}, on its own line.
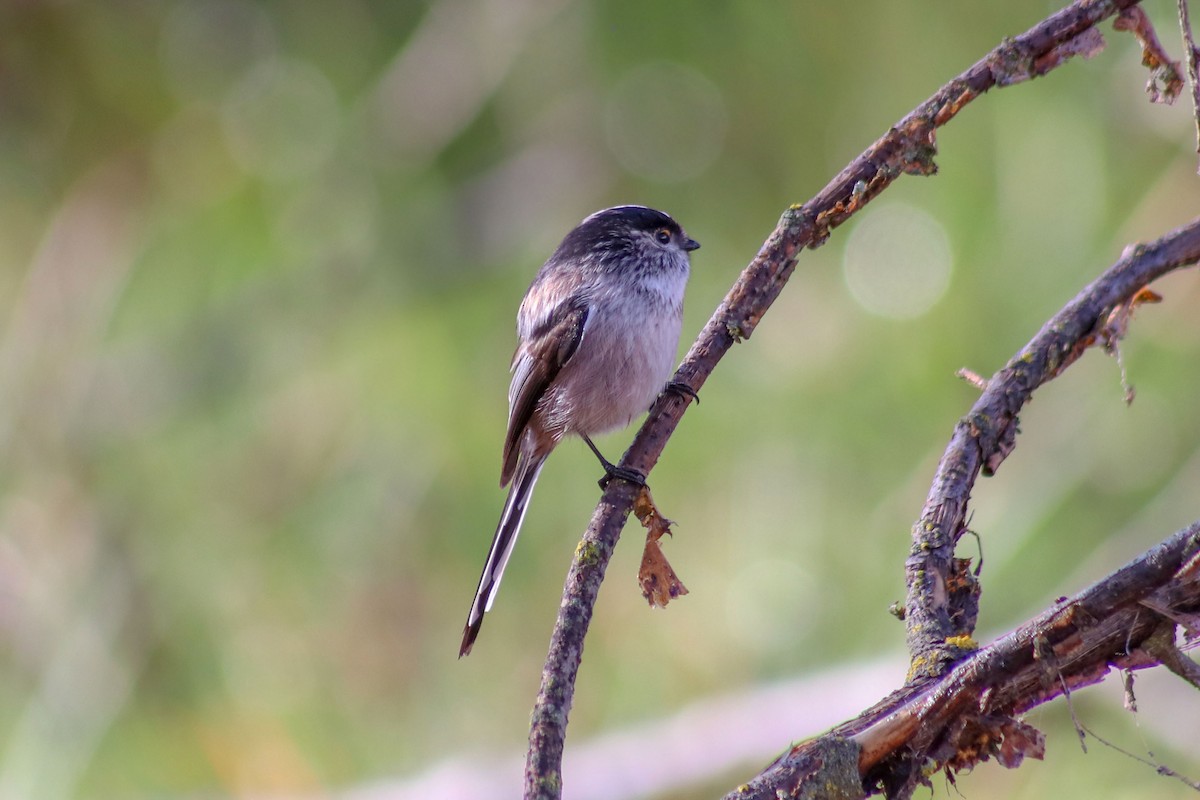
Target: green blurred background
{"x": 259, "y": 265}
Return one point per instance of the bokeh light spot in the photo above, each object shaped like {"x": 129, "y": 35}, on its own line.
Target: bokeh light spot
{"x": 897, "y": 262}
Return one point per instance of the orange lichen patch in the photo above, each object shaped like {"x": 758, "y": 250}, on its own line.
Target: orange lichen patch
{"x": 951, "y": 109}
{"x": 963, "y": 642}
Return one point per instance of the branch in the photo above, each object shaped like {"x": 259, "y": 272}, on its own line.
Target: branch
{"x": 967, "y": 715}
{"x": 956, "y": 719}
{"x": 1191, "y": 56}
{"x": 908, "y": 148}
{"x": 1166, "y": 81}
{"x": 942, "y": 594}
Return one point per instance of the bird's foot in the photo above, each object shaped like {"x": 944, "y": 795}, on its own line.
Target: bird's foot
{"x": 621, "y": 473}
{"x": 611, "y": 470}
{"x": 682, "y": 389}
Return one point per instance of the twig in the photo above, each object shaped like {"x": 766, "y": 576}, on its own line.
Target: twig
{"x": 1190, "y": 53}
{"x": 972, "y": 377}
{"x": 1162, "y": 648}
{"x": 1165, "y": 82}
{"x": 908, "y": 148}
{"x": 1161, "y": 769}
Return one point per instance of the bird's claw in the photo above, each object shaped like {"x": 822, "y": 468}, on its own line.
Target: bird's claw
{"x": 682, "y": 389}
{"x": 621, "y": 473}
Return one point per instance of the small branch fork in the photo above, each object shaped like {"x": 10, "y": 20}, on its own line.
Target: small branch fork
{"x": 907, "y": 148}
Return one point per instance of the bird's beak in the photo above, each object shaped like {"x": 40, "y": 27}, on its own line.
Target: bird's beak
{"x": 690, "y": 244}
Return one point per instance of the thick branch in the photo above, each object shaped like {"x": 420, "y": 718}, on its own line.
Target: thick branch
{"x": 908, "y": 147}
{"x": 966, "y": 716}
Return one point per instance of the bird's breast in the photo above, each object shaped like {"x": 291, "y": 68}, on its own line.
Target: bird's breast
{"x": 623, "y": 362}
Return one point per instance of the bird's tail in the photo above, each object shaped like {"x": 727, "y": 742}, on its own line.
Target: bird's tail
{"x": 502, "y": 544}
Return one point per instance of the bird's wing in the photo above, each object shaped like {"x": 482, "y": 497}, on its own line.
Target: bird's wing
{"x": 548, "y": 346}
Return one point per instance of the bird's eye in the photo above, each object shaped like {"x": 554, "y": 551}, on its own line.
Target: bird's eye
{"x": 663, "y": 235}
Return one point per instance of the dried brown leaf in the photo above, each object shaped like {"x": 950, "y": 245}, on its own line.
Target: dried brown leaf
{"x": 660, "y": 585}
{"x": 1021, "y": 741}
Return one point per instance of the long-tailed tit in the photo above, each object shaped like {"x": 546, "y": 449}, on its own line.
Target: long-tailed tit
{"x": 598, "y": 331}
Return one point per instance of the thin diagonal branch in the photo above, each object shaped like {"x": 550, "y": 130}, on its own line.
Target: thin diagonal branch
{"x": 1191, "y": 56}
{"x": 908, "y": 148}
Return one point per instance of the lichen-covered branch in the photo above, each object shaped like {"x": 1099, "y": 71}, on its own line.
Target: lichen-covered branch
{"x": 969, "y": 714}
{"x": 907, "y": 148}
{"x": 942, "y": 593}
{"x": 960, "y": 704}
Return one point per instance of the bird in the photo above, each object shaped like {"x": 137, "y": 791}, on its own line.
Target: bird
{"x": 597, "y": 332}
